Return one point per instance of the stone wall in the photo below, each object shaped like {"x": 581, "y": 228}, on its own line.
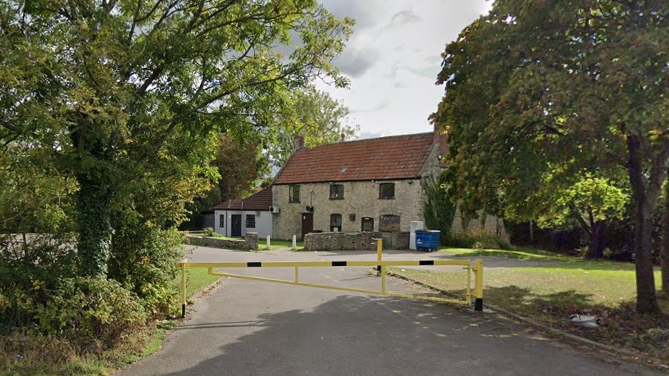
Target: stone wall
{"x": 361, "y": 200}
{"x": 395, "y": 240}
{"x": 340, "y": 241}
{"x": 484, "y": 225}
{"x": 250, "y": 242}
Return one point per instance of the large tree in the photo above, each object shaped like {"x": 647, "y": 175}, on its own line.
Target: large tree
{"x": 131, "y": 93}
{"x": 541, "y": 87}
{"x": 313, "y": 115}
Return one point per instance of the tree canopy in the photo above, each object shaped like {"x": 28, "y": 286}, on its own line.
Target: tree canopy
{"x": 131, "y": 95}
{"x": 538, "y": 88}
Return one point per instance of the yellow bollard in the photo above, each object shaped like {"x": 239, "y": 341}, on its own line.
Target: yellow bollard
{"x": 478, "y": 292}
{"x": 183, "y": 288}
{"x": 379, "y": 268}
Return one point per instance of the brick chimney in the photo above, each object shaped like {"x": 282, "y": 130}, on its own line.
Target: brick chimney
{"x": 343, "y": 137}
{"x": 299, "y": 142}
{"x": 440, "y": 138}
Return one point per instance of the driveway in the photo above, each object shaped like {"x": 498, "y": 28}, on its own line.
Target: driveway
{"x": 258, "y": 328}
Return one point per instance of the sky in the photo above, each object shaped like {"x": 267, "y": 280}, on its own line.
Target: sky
{"x": 393, "y": 58}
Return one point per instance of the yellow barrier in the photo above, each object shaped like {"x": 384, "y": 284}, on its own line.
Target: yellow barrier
{"x": 380, "y": 264}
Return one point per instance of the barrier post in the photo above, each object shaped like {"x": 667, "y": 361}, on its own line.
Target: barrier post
{"x": 183, "y": 288}
{"x": 478, "y": 292}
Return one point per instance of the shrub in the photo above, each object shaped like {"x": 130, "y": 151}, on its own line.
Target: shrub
{"x": 476, "y": 241}
{"x": 90, "y": 312}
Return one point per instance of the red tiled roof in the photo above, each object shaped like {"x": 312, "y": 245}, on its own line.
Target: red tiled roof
{"x": 259, "y": 201}
{"x": 386, "y": 158}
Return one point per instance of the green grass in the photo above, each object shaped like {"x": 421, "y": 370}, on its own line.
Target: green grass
{"x": 519, "y": 253}
{"x": 278, "y": 244}
{"x": 196, "y": 280}
{"x": 550, "y": 294}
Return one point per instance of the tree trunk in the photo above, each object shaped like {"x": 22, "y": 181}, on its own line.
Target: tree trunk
{"x": 664, "y": 257}
{"x": 597, "y": 243}
{"x": 95, "y": 230}
{"x": 643, "y": 204}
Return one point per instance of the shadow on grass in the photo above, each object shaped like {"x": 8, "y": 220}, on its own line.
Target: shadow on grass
{"x": 524, "y": 301}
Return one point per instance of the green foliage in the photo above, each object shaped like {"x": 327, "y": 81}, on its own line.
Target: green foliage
{"x": 592, "y": 198}
{"x": 475, "y": 241}
{"x": 539, "y": 88}
{"x": 314, "y": 115}
{"x": 438, "y": 210}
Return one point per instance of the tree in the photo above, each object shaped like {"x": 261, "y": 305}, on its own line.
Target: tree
{"x": 539, "y": 87}
{"x": 314, "y": 115}
{"x": 132, "y": 93}
{"x": 593, "y": 203}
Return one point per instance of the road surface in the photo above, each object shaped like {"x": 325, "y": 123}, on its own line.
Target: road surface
{"x": 259, "y": 328}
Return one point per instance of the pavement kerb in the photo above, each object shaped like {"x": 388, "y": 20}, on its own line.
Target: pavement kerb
{"x": 617, "y": 350}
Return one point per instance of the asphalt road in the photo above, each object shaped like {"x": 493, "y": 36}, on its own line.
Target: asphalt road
{"x": 259, "y": 328}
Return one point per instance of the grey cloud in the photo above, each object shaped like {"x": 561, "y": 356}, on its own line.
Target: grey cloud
{"x": 361, "y": 11}
{"x": 404, "y": 17}
{"x": 374, "y": 108}
{"x": 355, "y": 62}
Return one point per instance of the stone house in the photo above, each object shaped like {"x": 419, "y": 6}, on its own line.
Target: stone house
{"x": 353, "y": 186}
{"x": 235, "y": 218}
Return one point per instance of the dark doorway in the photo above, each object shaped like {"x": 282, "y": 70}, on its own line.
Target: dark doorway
{"x": 236, "y": 226}
{"x": 307, "y": 223}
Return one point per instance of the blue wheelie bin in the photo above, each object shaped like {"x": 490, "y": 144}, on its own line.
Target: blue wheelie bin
{"x": 428, "y": 240}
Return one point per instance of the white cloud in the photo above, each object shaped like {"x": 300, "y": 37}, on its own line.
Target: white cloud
{"x": 393, "y": 59}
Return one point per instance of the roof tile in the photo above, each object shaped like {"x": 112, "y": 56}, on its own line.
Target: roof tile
{"x": 385, "y": 158}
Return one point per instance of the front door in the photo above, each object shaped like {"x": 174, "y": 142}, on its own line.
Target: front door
{"x": 236, "y": 227}
{"x": 307, "y": 223}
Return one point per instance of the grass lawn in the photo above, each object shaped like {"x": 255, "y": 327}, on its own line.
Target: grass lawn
{"x": 196, "y": 280}
{"x": 518, "y": 253}
{"x": 550, "y": 294}
{"x": 278, "y": 244}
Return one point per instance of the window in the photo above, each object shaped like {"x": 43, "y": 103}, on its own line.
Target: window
{"x": 336, "y": 192}
{"x": 335, "y": 222}
{"x": 221, "y": 220}
{"x": 389, "y": 223}
{"x": 293, "y": 193}
{"x": 387, "y": 191}
{"x": 250, "y": 221}
{"x": 367, "y": 224}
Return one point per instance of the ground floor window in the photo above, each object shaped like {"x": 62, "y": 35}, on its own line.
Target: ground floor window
{"x": 250, "y": 221}
{"x": 389, "y": 223}
{"x": 367, "y": 224}
{"x": 335, "y": 222}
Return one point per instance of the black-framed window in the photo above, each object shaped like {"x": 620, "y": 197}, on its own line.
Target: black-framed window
{"x": 250, "y": 221}
{"x": 389, "y": 223}
{"x": 335, "y": 222}
{"x": 387, "y": 191}
{"x": 367, "y": 224}
{"x": 221, "y": 220}
{"x": 293, "y": 193}
{"x": 336, "y": 192}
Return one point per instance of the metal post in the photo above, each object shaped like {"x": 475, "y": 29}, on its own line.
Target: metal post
{"x": 478, "y": 292}
{"x": 379, "y": 253}
{"x": 183, "y": 288}
{"x": 297, "y": 275}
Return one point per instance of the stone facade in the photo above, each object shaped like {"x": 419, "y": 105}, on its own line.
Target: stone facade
{"x": 395, "y": 240}
{"x": 250, "y": 242}
{"x": 338, "y": 241}
{"x": 360, "y": 200}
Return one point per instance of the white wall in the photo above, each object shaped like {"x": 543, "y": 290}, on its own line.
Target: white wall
{"x": 263, "y": 222}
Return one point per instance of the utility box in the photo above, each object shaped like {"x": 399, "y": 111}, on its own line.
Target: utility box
{"x": 414, "y": 226}
{"x": 428, "y": 240}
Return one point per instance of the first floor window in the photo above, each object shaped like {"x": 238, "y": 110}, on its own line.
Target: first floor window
{"x": 387, "y": 191}
{"x": 335, "y": 222}
{"x": 336, "y": 192}
{"x": 221, "y": 220}
{"x": 367, "y": 224}
{"x": 250, "y": 221}
{"x": 293, "y": 193}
